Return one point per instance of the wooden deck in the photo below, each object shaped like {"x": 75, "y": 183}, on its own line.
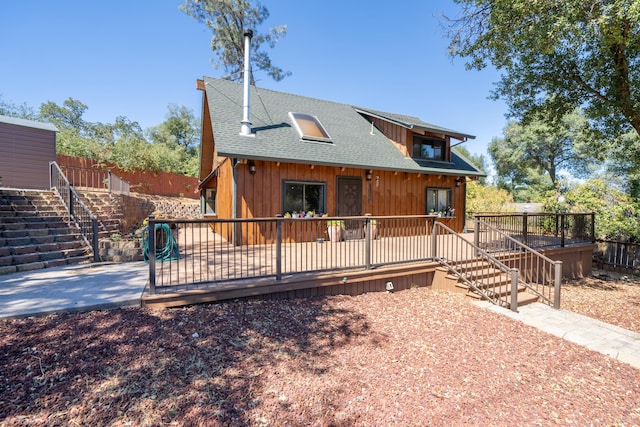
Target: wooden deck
{"x": 212, "y": 269}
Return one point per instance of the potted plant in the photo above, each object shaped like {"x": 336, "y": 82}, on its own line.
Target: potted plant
{"x": 334, "y": 229}
{"x": 373, "y": 226}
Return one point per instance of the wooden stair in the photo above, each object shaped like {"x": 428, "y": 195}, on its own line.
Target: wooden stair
{"x": 491, "y": 280}
{"x": 35, "y": 233}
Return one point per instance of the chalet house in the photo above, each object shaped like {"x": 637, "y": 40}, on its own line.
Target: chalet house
{"x": 297, "y": 154}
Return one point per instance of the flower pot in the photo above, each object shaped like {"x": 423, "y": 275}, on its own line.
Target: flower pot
{"x": 335, "y": 233}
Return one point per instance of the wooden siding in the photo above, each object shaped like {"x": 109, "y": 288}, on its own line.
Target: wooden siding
{"x": 207, "y": 143}
{"x": 25, "y": 154}
{"x": 387, "y": 194}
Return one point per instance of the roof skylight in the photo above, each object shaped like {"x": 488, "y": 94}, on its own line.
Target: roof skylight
{"x": 309, "y": 127}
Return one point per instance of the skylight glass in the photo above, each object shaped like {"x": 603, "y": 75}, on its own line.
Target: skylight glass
{"x": 309, "y": 127}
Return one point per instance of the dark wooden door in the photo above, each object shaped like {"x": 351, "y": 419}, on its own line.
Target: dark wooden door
{"x": 349, "y": 203}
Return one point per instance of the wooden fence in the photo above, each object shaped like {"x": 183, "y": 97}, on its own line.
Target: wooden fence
{"x": 140, "y": 181}
{"x": 617, "y": 255}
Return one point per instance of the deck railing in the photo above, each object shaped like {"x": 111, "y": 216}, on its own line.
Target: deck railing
{"x": 542, "y": 275}
{"x": 95, "y": 179}
{"x": 475, "y": 267}
{"x": 79, "y": 214}
{"x": 541, "y": 230}
{"x": 190, "y": 254}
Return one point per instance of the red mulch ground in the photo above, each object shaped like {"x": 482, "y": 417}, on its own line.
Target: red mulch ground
{"x": 417, "y": 357}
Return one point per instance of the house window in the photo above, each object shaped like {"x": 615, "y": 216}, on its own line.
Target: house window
{"x": 304, "y": 197}
{"x": 438, "y": 199}
{"x": 208, "y": 201}
{"x": 429, "y": 148}
{"x": 309, "y": 127}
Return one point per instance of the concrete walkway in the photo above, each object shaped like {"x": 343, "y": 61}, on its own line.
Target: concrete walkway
{"x": 72, "y": 288}
{"x": 103, "y": 286}
{"x": 613, "y": 341}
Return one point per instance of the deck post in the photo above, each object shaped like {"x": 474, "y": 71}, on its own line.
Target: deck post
{"x": 514, "y": 290}
{"x": 562, "y": 232}
{"x": 525, "y": 227}
{"x": 476, "y": 233}
{"x": 593, "y": 227}
{"x": 367, "y": 243}
{"x": 278, "y": 249}
{"x": 556, "y": 284}
{"x": 151, "y": 254}
{"x": 434, "y": 240}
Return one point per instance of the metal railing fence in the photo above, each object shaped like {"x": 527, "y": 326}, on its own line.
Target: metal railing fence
{"x": 86, "y": 223}
{"x": 95, "y": 179}
{"x": 221, "y": 250}
{"x": 542, "y": 275}
{"x": 476, "y": 267}
{"x": 540, "y": 230}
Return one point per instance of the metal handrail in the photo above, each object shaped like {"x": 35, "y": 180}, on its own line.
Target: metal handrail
{"x": 78, "y": 212}
{"x": 524, "y": 256}
{"x": 467, "y": 252}
{"x": 98, "y": 180}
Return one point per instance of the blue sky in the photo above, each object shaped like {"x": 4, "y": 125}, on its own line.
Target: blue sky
{"x": 134, "y": 58}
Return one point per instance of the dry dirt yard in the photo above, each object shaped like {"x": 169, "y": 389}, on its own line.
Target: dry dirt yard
{"x": 417, "y": 357}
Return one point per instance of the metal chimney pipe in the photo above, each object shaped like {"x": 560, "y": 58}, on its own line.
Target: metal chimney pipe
{"x": 245, "y": 129}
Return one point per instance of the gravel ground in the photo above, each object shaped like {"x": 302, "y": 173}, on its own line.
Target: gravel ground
{"x": 417, "y": 357}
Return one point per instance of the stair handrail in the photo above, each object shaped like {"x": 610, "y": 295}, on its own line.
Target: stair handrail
{"x": 517, "y": 248}
{"x": 78, "y": 212}
{"x": 449, "y": 263}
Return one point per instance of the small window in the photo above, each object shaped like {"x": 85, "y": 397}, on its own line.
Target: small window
{"x": 309, "y": 127}
{"x": 208, "y": 201}
{"x": 438, "y": 200}
{"x": 429, "y": 148}
{"x": 304, "y": 197}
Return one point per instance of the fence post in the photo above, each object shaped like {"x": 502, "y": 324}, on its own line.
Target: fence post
{"x": 476, "y": 230}
{"x": 556, "y": 284}
{"x": 278, "y": 249}
{"x": 434, "y": 239}
{"x": 109, "y": 181}
{"x": 593, "y": 227}
{"x": 562, "y": 222}
{"x": 94, "y": 232}
{"x": 525, "y": 227}
{"x": 514, "y": 289}
{"x": 367, "y": 242}
{"x": 151, "y": 254}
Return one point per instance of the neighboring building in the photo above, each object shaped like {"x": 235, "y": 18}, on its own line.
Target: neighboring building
{"x": 26, "y": 148}
{"x": 305, "y": 154}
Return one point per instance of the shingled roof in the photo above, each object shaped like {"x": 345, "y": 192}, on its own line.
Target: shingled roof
{"x": 353, "y": 141}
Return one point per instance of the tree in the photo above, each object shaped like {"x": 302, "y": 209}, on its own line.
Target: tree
{"x": 557, "y": 55}
{"x": 616, "y": 216}
{"x": 228, "y": 19}
{"x": 486, "y": 198}
{"x": 181, "y": 128}
{"x": 22, "y": 111}
{"x": 528, "y": 150}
